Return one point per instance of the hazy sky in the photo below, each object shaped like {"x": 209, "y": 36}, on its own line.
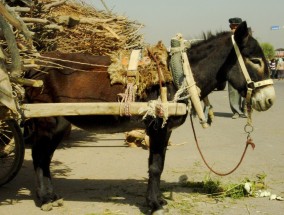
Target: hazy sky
{"x": 164, "y": 18}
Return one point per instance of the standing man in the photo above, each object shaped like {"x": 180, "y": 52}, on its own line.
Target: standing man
{"x": 280, "y": 69}
{"x": 237, "y": 103}
{"x": 272, "y": 66}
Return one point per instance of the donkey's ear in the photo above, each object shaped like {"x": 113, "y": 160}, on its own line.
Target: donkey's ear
{"x": 241, "y": 33}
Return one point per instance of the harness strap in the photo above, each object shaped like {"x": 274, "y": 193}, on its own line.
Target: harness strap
{"x": 251, "y": 85}
{"x": 241, "y": 61}
{"x": 262, "y": 83}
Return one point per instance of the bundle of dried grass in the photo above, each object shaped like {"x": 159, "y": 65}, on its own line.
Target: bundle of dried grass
{"x": 72, "y": 26}
{"x": 137, "y": 138}
{"x": 66, "y": 26}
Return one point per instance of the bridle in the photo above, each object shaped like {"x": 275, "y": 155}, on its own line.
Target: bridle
{"x": 251, "y": 85}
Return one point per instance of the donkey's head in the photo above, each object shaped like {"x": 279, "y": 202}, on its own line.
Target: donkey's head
{"x": 254, "y": 82}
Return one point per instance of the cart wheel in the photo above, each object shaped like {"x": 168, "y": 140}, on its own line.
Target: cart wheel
{"x": 12, "y": 150}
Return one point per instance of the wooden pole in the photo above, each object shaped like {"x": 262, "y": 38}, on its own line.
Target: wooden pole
{"x": 194, "y": 95}
{"x": 99, "y": 108}
{"x": 27, "y": 82}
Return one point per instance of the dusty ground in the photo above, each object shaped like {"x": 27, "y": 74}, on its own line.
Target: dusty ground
{"x": 98, "y": 174}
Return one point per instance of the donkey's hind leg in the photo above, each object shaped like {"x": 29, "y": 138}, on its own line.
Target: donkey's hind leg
{"x": 158, "y": 145}
{"x": 48, "y": 134}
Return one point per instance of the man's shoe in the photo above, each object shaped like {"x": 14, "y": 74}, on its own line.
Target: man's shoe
{"x": 235, "y": 116}
{"x": 243, "y": 115}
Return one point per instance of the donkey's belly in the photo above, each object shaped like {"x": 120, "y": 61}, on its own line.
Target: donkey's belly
{"x": 106, "y": 123}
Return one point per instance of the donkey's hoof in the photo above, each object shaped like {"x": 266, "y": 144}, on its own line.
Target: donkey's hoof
{"x": 47, "y": 206}
{"x": 163, "y": 202}
{"x": 159, "y": 212}
{"x": 58, "y": 203}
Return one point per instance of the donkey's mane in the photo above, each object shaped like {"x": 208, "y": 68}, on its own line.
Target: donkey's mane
{"x": 209, "y": 36}
{"x": 203, "y": 48}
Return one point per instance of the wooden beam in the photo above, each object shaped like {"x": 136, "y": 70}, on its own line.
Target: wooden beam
{"x": 98, "y": 108}
{"x": 27, "y": 82}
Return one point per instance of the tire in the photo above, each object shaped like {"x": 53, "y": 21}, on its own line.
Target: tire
{"x": 177, "y": 69}
{"x": 12, "y": 150}
{"x": 176, "y": 64}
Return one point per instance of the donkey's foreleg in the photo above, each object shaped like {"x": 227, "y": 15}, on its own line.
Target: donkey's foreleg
{"x": 158, "y": 146}
{"x": 46, "y": 140}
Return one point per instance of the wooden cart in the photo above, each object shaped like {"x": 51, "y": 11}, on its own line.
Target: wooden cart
{"x": 13, "y": 111}
{"x": 11, "y": 138}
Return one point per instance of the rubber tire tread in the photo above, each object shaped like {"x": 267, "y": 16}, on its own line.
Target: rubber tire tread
{"x": 177, "y": 69}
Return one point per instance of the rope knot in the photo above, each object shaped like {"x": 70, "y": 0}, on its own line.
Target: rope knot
{"x": 156, "y": 108}
{"x": 250, "y": 142}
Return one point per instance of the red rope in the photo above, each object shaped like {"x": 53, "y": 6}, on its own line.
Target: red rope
{"x": 248, "y": 142}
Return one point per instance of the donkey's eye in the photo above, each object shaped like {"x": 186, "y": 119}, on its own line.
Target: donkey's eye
{"x": 256, "y": 61}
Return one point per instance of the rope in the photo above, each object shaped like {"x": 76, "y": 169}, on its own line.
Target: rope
{"x": 156, "y": 108}
{"x": 249, "y": 113}
{"x": 182, "y": 89}
{"x": 149, "y": 111}
{"x": 127, "y": 97}
{"x": 77, "y": 62}
{"x": 59, "y": 66}
{"x": 248, "y": 142}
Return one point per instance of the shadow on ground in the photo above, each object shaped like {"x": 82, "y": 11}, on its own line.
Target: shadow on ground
{"x": 122, "y": 191}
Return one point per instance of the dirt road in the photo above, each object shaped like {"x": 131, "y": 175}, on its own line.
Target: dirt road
{"x": 98, "y": 174}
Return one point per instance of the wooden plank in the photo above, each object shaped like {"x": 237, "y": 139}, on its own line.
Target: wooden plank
{"x": 134, "y": 58}
{"x": 98, "y": 108}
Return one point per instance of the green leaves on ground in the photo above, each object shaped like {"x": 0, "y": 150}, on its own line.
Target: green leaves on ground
{"x": 214, "y": 188}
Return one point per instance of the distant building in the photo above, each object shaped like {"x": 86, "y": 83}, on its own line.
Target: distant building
{"x": 279, "y": 53}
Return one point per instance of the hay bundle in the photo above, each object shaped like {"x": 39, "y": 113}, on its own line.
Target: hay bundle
{"x": 72, "y": 26}
{"x": 137, "y": 138}
{"x": 66, "y": 26}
